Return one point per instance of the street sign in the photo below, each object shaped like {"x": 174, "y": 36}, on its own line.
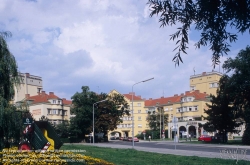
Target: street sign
{"x": 175, "y": 120}
{"x": 27, "y": 121}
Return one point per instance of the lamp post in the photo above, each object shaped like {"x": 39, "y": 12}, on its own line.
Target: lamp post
{"x": 133, "y": 108}
{"x": 94, "y": 119}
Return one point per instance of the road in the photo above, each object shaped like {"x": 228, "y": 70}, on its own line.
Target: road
{"x": 182, "y": 146}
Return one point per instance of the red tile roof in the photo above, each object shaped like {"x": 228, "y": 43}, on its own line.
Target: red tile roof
{"x": 43, "y": 98}
{"x": 176, "y": 98}
{"x": 129, "y": 96}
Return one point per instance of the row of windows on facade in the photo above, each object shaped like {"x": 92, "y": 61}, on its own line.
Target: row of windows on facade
{"x": 57, "y": 112}
{"x": 129, "y": 126}
{"x": 186, "y": 109}
{"x": 211, "y": 85}
{"x": 135, "y": 105}
{"x": 130, "y": 118}
{"x": 56, "y": 102}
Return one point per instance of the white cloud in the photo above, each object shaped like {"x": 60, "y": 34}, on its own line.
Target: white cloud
{"x": 106, "y": 43}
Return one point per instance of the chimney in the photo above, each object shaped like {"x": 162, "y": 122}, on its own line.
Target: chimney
{"x": 204, "y": 73}
{"x": 27, "y": 74}
{"x": 162, "y": 97}
{"x": 150, "y": 98}
{"x": 187, "y": 92}
{"x": 27, "y": 95}
{"x": 43, "y": 92}
{"x": 182, "y": 94}
{"x": 139, "y": 96}
{"x": 176, "y": 95}
{"x": 198, "y": 91}
{"x": 51, "y": 93}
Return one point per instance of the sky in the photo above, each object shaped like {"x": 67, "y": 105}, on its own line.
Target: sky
{"x": 103, "y": 44}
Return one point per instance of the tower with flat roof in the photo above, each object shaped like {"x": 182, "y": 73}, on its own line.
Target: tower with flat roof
{"x": 206, "y": 82}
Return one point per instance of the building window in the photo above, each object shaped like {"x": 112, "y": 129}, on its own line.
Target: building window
{"x": 54, "y": 111}
{"x": 139, "y": 126}
{"x": 139, "y": 111}
{"x": 54, "y": 101}
{"x": 190, "y": 108}
{"x": 213, "y": 85}
{"x": 196, "y": 108}
{"x": 49, "y": 111}
{"x": 138, "y": 104}
{"x": 146, "y": 111}
{"x": 192, "y": 88}
{"x": 166, "y": 109}
{"x": 139, "y": 117}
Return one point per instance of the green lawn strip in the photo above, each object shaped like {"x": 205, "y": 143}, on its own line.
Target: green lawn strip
{"x": 134, "y": 157}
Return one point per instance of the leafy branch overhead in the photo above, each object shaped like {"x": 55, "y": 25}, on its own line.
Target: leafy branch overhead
{"x": 211, "y": 17}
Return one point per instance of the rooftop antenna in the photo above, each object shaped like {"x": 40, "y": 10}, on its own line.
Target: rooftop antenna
{"x": 194, "y": 70}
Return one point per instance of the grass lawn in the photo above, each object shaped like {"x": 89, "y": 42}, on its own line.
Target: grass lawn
{"x": 134, "y": 157}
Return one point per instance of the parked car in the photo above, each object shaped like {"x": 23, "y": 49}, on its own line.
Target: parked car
{"x": 112, "y": 138}
{"x": 205, "y": 138}
{"x": 125, "y": 139}
{"x": 121, "y": 138}
{"x": 131, "y": 139}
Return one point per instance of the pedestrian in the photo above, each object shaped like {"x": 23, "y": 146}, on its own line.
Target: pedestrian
{"x": 189, "y": 137}
{"x": 149, "y": 138}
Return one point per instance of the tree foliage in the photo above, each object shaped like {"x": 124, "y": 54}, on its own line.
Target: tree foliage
{"x": 239, "y": 83}
{"x": 211, "y": 17}
{"x": 155, "y": 119}
{"x": 8, "y": 79}
{"x": 221, "y": 115}
{"x": 107, "y": 114}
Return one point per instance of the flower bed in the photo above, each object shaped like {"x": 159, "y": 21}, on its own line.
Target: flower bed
{"x": 12, "y": 156}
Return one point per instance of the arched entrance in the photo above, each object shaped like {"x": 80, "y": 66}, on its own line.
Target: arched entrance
{"x": 182, "y": 131}
{"x": 115, "y": 135}
{"x": 192, "y": 131}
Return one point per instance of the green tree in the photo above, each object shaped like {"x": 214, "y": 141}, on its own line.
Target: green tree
{"x": 155, "y": 119}
{"x": 221, "y": 115}
{"x": 212, "y": 18}
{"x": 107, "y": 114}
{"x": 82, "y": 102}
{"x": 239, "y": 68}
{"x": 62, "y": 130}
{"x": 8, "y": 79}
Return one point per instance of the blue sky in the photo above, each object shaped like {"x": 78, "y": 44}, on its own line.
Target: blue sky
{"x": 103, "y": 44}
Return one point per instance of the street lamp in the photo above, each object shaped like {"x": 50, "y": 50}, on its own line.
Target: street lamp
{"x": 133, "y": 108}
{"x": 94, "y": 118}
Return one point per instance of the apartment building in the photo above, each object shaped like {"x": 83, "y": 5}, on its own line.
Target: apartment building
{"x": 30, "y": 84}
{"x": 55, "y": 109}
{"x": 187, "y": 107}
{"x": 124, "y": 129}
{"x": 206, "y": 82}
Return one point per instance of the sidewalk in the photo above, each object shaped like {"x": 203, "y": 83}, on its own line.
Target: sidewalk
{"x": 184, "y": 142}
